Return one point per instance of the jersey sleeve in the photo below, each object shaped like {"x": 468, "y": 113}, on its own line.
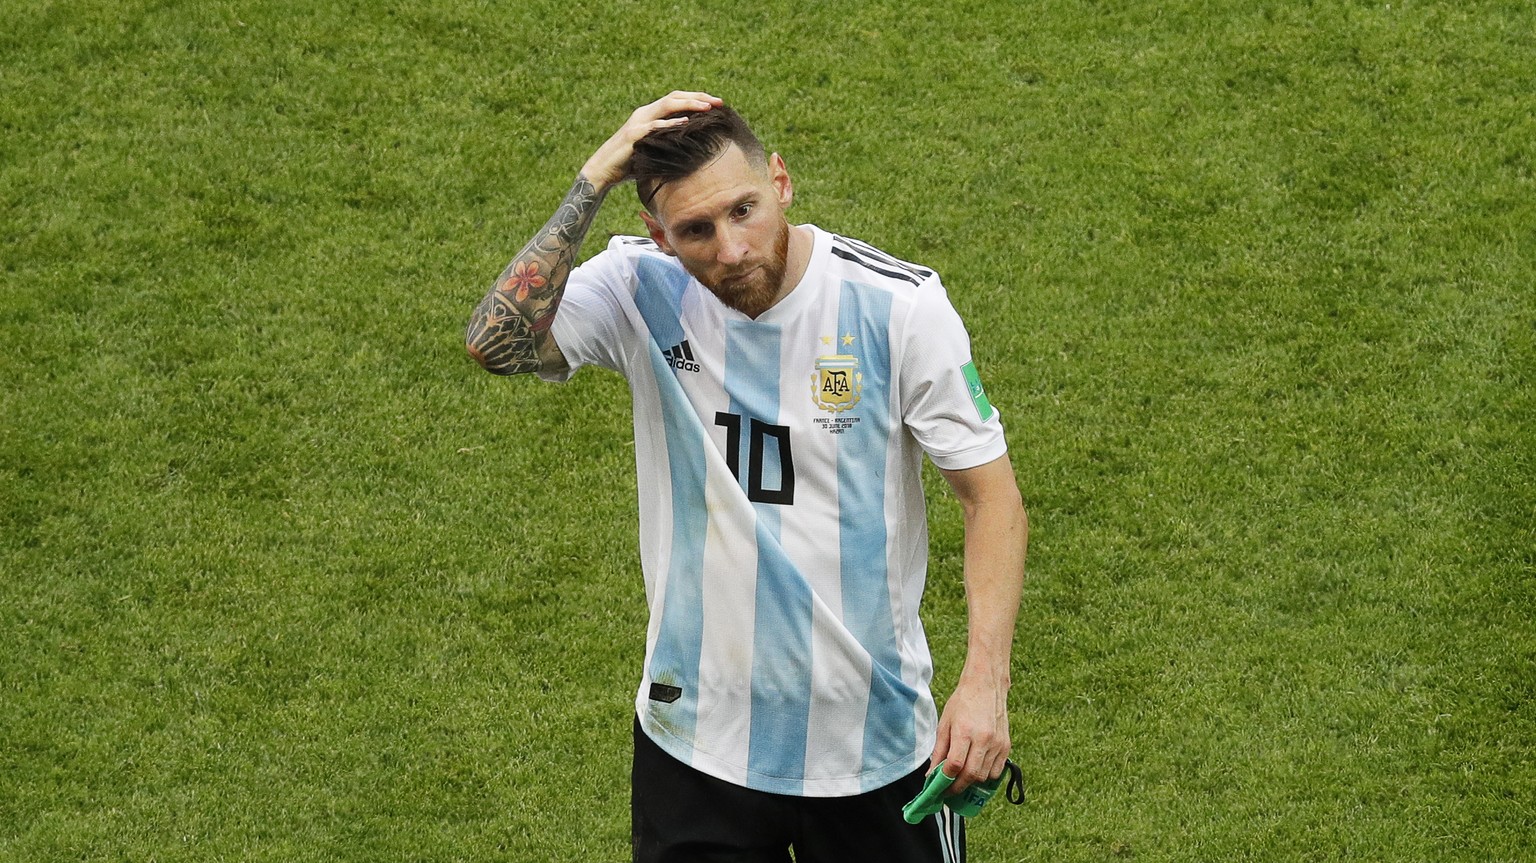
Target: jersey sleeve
{"x": 942, "y": 400}
{"x": 591, "y": 323}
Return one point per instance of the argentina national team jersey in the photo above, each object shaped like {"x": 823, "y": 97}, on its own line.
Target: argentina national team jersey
{"x": 783, "y": 535}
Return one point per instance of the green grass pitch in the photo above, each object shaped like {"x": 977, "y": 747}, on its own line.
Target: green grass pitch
{"x": 284, "y": 577}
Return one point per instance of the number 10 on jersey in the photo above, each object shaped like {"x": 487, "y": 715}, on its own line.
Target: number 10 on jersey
{"x": 761, "y": 435}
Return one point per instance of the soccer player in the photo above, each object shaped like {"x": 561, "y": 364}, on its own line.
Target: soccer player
{"x": 787, "y": 383}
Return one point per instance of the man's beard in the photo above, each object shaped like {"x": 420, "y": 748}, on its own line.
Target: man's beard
{"x": 760, "y": 288}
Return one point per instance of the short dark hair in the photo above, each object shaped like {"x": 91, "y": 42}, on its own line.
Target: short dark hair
{"x": 677, "y": 151}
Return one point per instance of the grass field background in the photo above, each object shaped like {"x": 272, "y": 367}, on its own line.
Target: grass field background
{"x": 283, "y": 576}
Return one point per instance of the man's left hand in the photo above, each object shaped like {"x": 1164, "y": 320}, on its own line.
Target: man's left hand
{"x": 973, "y": 741}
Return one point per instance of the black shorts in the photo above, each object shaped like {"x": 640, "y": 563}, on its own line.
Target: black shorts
{"x": 679, "y": 815}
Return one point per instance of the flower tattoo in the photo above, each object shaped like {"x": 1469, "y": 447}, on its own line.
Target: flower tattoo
{"x": 525, "y": 277}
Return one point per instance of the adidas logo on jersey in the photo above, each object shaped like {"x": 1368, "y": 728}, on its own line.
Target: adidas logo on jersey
{"x": 680, "y": 357}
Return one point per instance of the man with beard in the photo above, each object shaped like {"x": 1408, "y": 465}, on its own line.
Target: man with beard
{"x": 787, "y": 383}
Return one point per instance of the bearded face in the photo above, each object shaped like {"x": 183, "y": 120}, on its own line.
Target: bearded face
{"x": 725, "y": 224}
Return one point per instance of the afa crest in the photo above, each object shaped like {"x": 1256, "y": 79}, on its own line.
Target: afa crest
{"x": 837, "y": 384}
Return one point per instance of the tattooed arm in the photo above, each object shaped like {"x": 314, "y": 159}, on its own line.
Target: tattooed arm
{"x": 509, "y": 332}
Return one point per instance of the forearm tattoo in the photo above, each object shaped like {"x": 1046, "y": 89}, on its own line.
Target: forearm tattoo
{"x": 509, "y": 331}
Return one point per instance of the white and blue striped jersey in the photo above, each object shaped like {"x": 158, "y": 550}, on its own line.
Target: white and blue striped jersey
{"x": 783, "y": 533}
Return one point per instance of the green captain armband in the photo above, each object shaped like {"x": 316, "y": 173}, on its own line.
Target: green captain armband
{"x": 931, "y": 799}
{"x": 966, "y": 804}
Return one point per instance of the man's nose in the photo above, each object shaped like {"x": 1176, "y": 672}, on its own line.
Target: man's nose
{"x": 733, "y": 246}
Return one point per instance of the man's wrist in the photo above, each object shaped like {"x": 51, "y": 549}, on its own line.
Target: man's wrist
{"x": 987, "y": 672}
{"x": 595, "y": 179}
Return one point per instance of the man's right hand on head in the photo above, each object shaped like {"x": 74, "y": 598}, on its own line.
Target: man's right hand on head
{"x": 609, "y": 166}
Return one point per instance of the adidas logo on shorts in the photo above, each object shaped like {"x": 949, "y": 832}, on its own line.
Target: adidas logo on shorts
{"x": 680, "y": 357}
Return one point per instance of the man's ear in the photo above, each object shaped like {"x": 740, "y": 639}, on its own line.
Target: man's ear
{"x": 778, "y": 173}
{"x": 658, "y": 233}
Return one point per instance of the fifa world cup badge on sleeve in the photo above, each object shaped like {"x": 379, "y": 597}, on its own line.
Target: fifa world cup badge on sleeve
{"x": 978, "y": 394}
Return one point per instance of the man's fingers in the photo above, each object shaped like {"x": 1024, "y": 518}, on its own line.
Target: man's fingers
{"x": 670, "y": 121}
{"x": 973, "y": 761}
{"x": 704, "y": 101}
{"x": 681, "y": 101}
{"x": 954, "y": 761}
{"x": 940, "y": 752}
{"x": 610, "y": 164}
{"x": 954, "y": 764}
{"x": 653, "y": 117}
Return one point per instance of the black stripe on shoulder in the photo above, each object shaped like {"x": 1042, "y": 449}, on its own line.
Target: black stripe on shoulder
{"x": 889, "y": 272}
{"x": 879, "y": 255}
{"x": 638, "y": 241}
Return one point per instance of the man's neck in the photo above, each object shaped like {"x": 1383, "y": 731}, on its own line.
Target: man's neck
{"x": 801, "y": 242}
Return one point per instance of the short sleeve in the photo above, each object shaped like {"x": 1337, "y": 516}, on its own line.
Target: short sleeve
{"x": 589, "y": 325}
{"x": 942, "y": 400}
